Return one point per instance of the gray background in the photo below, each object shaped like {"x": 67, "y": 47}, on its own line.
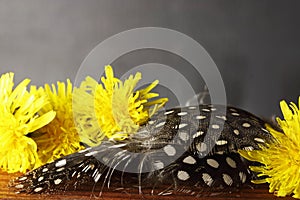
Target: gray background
{"x": 255, "y": 44}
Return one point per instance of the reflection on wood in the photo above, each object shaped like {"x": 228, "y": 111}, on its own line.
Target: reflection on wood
{"x": 84, "y": 193}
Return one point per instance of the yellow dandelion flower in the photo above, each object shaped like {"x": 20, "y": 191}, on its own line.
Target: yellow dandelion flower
{"x": 18, "y": 118}
{"x": 119, "y": 109}
{"x": 84, "y": 113}
{"x": 281, "y": 158}
{"x": 60, "y": 137}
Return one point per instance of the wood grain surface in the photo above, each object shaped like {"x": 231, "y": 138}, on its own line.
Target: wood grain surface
{"x": 84, "y": 193}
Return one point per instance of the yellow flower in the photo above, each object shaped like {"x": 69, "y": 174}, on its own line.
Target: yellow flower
{"x": 18, "y": 118}
{"x": 280, "y": 159}
{"x": 118, "y": 109}
{"x": 60, "y": 137}
{"x": 84, "y": 113}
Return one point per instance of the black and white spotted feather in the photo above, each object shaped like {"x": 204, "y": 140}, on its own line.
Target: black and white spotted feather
{"x": 182, "y": 149}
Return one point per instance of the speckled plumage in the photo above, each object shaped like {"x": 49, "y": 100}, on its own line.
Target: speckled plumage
{"x": 190, "y": 147}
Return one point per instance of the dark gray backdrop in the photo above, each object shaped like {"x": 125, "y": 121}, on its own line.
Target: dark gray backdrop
{"x": 255, "y": 44}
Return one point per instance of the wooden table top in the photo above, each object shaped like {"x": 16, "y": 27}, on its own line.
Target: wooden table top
{"x": 260, "y": 192}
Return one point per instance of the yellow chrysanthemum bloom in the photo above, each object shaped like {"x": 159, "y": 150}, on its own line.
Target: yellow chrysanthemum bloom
{"x": 59, "y": 137}
{"x": 18, "y": 118}
{"x": 118, "y": 109}
{"x": 281, "y": 159}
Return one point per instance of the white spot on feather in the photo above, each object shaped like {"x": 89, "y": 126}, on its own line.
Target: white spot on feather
{"x": 189, "y": 160}
{"x": 243, "y": 177}
{"x": 183, "y": 175}
{"x": 160, "y": 124}
{"x": 170, "y": 150}
{"x": 235, "y": 114}
{"x": 23, "y": 178}
{"x": 227, "y": 179}
{"x": 246, "y": 125}
{"x": 168, "y": 112}
{"x": 20, "y": 186}
{"x": 259, "y": 140}
{"x": 183, "y": 136}
{"x": 222, "y": 117}
{"x": 182, "y": 126}
{"x": 235, "y": 131}
{"x": 201, "y": 147}
{"x": 221, "y": 142}
{"x": 61, "y": 163}
{"x": 213, "y": 163}
{"x": 207, "y": 179}
{"x": 231, "y": 162}
{"x": 182, "y": 113}
{"x": 158, "y": 165}
{"x": 200, "y": 117}
{"x": 198, "y": 133}
{"x": 215, "y": 126}
{"x": 40, "y": 179}
{"x": 57, "y": 181}
{"x": 38, "y": 189}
